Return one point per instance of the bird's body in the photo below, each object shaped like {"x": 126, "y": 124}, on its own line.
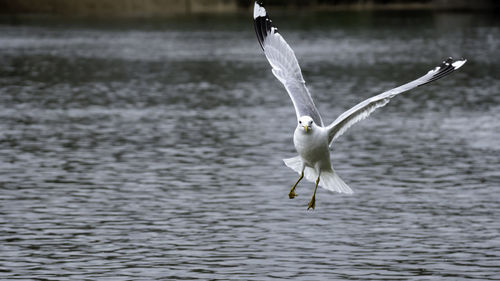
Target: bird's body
{"x": 311, "y": 138}
{"x": 312, "y": 147}
{"x": 313, "y": 162}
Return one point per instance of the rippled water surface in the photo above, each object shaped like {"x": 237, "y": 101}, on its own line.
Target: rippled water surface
{"x": 152, "y": 150}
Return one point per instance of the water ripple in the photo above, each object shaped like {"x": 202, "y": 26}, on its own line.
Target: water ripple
{"x": 152, "y": 152}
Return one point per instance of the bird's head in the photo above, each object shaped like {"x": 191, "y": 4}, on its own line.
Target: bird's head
{"x": 306, "y": 123}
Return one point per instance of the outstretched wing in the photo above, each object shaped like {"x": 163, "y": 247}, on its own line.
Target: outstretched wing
{"x": 284, "y": 64}
{"x": 365, "y": 108}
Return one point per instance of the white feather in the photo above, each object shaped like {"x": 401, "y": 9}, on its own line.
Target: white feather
{"x": 258, "y": 11}
{"x": 366, "y": 107}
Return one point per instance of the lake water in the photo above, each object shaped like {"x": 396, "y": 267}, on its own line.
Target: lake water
{"x": 151, "y": 149}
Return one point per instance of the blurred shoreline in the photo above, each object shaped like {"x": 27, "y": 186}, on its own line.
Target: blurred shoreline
{"x": 162, "y": 8}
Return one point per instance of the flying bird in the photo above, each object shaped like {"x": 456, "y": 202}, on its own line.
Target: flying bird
{"x": 312, "y": 139}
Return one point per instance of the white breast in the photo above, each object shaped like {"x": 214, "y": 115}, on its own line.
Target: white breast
{"x": 313, "y": 146}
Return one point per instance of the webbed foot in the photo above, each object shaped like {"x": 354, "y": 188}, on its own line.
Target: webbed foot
{"x": 292, "y": 194}
{"x": 312, "y": 203}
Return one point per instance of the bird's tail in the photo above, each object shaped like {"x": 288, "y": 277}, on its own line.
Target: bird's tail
{"x": 328, "y": 180}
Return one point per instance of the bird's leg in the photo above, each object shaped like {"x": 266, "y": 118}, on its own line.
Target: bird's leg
{"x": 313, "y": 199}
{"x": 292, "y": 194}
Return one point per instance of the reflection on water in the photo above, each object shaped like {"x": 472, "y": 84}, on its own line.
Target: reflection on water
{"x": 153, "y": 150}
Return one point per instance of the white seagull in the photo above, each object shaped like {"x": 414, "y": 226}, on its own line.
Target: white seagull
{"x": 311, "y": 138}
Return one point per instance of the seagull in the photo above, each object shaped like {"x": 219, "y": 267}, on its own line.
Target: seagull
{"x": 312, "y": 139}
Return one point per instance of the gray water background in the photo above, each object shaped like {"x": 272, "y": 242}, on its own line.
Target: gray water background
{"x": 151, "y": 149}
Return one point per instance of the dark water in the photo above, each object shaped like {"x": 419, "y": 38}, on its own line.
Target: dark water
{"x": 152, "y": 150}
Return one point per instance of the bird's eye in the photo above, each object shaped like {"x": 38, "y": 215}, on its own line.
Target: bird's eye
{"x": 300, "y": 122}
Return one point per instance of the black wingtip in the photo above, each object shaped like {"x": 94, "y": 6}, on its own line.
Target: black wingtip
{"x": 446, "y": 67}
{"x": 262, "y": 23}
{"x": 454, "y": 63}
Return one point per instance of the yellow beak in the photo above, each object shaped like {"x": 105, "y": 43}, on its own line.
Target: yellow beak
{"x": 305, "y": 128}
